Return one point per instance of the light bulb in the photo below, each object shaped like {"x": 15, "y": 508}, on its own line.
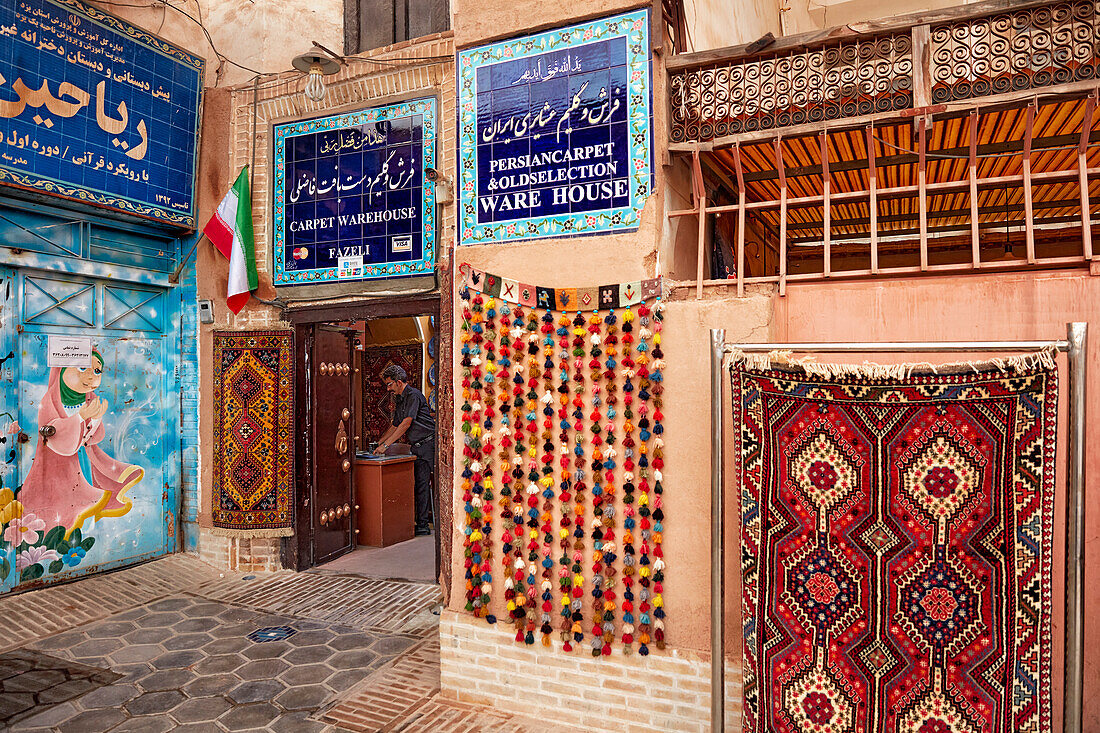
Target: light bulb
{"x": 315, "y": 87}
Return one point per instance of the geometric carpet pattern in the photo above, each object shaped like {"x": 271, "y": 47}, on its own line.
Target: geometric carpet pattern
{"x": 896, "y": 544}
{"x": 253, "y": 446}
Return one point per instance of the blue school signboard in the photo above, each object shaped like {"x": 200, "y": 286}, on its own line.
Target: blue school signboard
{"x": 96, "y": 110}
{"x": 554, "y": 132}
{"x": 350, "y": 199}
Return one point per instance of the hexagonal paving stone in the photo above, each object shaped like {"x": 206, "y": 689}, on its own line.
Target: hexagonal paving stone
{"x": 346, "y": 679}
{"x": 148, "y": 636}
{"x": 345, "y": 642}
{"x": 50, "y": 716}
{"x": 159, "y": 620}
{"x": 11, "y": 666}
{"x": 132, "y": 614}
{"x": 262, "y": 670}
{"x": 136, "y": 653}
{"x": 361, "y": 659}
{"x": 306, "y": 674}
{"x": 110, "y": 630}
{"x": 110, "y": 696}
{"x": 310, "y": 638}
{"x": 131, "y": 672}
{"x": 103, "y": 719}
{"x": 171, "y": 660}
{"x": 392, "y": 645}
{"x": 62, "y": 641}
{"x": 187, "y": 641}
{"x": 35, "y": 680}
{"x": 200, "y": 709}
{"x": 152, "y": 703}
{"x": 235, "y": 615}
{"x": 226, "y": 646}
{"x": 255, "y": 715}
{"x": 95, "y": 648}
{"x": 297, "y": 723}
{"x": 193, "y": 625}
{"x": 308, "y": 655}
{"x": 146, "y": 724}
{"x": 266, "y": 650}
{"x": 13, "y": 703}
{"x": 255, "y": 691}
{"x": 220, "y": 663}
{"x": 205, "y": 609}
{"x": 232, "y": 630}
{"x": 309, "y": 697}
{"x": 171, "y": 604}
{"x": 166, "y": 679}
{"x": 211, "y": 684}
{"x": 66, "y": 691}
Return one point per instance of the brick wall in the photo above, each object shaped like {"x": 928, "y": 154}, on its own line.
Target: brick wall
{"x": 665, "y": 691}
{"x": 245, "y": 555}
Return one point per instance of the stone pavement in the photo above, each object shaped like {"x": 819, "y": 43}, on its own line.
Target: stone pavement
{"x": 177, "y": 645}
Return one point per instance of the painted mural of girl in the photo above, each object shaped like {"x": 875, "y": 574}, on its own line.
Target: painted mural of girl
{"x": 72, "y": 479}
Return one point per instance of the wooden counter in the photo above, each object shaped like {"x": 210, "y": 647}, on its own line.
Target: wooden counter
{"x": 387, "y": 505}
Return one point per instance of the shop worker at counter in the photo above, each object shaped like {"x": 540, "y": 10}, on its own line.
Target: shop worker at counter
{"x": 412, "y": 421}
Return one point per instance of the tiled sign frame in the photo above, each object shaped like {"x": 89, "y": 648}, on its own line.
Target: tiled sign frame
{"x": 148, "y": 73}
{"x": 425, "y": 107}
{"x": 634, "y": 28}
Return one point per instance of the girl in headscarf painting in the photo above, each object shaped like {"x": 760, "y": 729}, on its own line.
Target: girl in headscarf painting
{"x": 72, "y": 478}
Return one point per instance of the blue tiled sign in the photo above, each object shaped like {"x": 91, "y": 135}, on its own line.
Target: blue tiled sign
{"x": 554, "y": 132}
{"x": 350, "y": 196}
{"x": 96, "y": 110}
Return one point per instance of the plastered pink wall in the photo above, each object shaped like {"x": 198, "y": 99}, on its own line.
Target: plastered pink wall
{"x": 1033, "y": 305}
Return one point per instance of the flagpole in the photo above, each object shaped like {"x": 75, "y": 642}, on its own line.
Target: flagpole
{"x": 175, "y": 276}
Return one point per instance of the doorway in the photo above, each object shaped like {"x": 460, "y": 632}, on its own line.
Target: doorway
{"x": 356, "y": 507}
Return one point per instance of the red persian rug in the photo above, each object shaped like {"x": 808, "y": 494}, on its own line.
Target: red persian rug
{"x": 896, "y": 538}
{"x": 253, "y": 441}
{"x": 377, "y": 402}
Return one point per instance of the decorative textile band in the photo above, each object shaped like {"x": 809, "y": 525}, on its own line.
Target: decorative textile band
{"x": 603, "y": 297}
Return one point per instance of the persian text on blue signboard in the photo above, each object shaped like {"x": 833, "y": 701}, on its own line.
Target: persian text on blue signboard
{"x": 555, "y": 133}
{"x": 96, "y": 110}
{"x": 351, "y": 199}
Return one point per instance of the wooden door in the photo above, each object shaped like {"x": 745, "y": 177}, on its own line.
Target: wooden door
{"x": 332, "y": 498}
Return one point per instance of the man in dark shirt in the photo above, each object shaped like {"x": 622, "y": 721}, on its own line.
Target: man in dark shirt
{"x": 413, "y": 421}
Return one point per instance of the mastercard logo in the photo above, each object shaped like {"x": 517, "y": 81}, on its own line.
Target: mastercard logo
{"x": 300, "y": 253}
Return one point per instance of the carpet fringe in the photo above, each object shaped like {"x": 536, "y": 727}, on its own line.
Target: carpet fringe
{"x": 1043, "y": 359}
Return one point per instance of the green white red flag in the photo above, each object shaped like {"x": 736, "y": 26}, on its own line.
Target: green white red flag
{"x": 230, "y": 229}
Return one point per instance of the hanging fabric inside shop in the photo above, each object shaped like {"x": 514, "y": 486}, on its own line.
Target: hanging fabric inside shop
{"x": 896, "y": 544}
{"x": 561, "y": 403}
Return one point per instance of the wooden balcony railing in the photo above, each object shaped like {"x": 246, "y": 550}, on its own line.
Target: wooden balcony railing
{"x": 916, "y": 64}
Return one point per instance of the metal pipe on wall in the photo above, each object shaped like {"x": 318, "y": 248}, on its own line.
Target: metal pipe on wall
{"x": 1073, "y": 686}
{"x": 717, "y": 535}
{"x": 1075, "y": 345}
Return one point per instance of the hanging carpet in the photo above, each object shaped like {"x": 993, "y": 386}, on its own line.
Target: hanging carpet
{"x": 896, "y": 544}
{"x": 377, "y": 402}
{"x": 253, "y": 440}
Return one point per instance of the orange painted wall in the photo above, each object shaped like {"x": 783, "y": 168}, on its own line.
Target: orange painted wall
{"x": 1034, "y": 305}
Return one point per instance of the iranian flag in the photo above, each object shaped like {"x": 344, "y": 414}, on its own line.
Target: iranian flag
{"x": 230, "y": 229}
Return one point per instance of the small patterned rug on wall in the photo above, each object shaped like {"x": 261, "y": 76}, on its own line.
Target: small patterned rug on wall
{"x": 253, "y": 439}
{"x": 896, "y": 537}
{"x": 377, "y": 402}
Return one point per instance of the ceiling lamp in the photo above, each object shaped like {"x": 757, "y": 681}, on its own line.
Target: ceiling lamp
{"x": 318, "y": 65}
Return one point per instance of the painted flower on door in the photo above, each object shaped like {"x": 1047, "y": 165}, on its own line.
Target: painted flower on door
{"x": 72, "y": 479}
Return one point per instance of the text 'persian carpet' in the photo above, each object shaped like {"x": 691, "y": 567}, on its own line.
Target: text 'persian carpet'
{"x": 253, "y": 434}
{"x": 377, "y": 402}
{"x": 896, "y": 544}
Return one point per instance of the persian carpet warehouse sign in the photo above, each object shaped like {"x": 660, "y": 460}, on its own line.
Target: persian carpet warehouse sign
{"x": 350, "y": 196}
{"x": 554, "y": 134}
{"x": 96, "y": 110}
